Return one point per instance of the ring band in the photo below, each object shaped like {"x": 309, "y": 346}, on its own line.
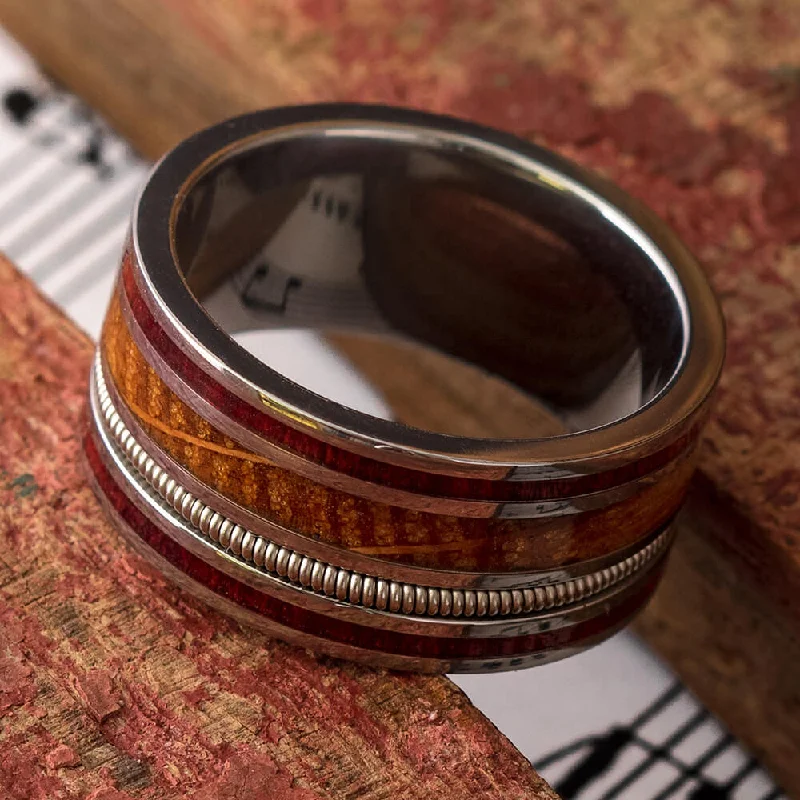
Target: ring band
{"x": 368, "y": 538}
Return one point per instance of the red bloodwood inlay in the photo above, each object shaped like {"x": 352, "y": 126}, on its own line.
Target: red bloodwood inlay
{"x": 339, "y": 631}
{"x": 361, "y": 467}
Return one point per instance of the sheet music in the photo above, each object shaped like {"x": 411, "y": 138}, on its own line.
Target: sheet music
{"x": 611, "y": 723}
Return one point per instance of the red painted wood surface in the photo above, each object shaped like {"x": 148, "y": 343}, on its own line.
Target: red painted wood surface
{"x": 692, "y": 105}
{"x": 115, "y": 685}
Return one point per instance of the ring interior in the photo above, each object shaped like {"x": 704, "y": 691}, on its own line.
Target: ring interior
{"x": 453, "y": 248}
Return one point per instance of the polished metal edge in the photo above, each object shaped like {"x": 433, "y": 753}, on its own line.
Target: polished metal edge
{"x": 352, "y": 587}
{"x": 593, "y": 450}
{"x": 461, "y": 507}
{"x": 448, "y": 464}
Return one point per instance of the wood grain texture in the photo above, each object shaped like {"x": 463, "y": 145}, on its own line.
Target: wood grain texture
{"x": 116, "y": 685}
{"x": 390, "y": 532}
{"x": 692, "y": 106}
{"x": 718, "y": 630}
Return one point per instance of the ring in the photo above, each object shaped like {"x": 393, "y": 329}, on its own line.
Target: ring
{"x": 470, "y": 252}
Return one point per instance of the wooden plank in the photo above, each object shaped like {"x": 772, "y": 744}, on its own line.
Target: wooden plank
{"x": 724, "y": 635}
{"x": 700, "y": 120}
{"x": 116, "y": 684}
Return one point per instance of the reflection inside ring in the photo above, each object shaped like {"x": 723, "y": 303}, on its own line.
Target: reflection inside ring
{"x": 442, "y": 251}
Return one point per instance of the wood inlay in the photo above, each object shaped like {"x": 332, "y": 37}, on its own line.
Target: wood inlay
{"x": 386, "y": 531}
{"x": 115, "y": 681}
{"x": 353, "y": 464}
{"x": 382, "y": 640}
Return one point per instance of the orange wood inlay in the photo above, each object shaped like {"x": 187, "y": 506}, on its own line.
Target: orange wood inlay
{"x": 390, "y": 532}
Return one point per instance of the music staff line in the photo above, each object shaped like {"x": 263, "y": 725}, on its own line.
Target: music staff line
{"x": 72, "y": 183}
{"x": 605, "y": 751}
